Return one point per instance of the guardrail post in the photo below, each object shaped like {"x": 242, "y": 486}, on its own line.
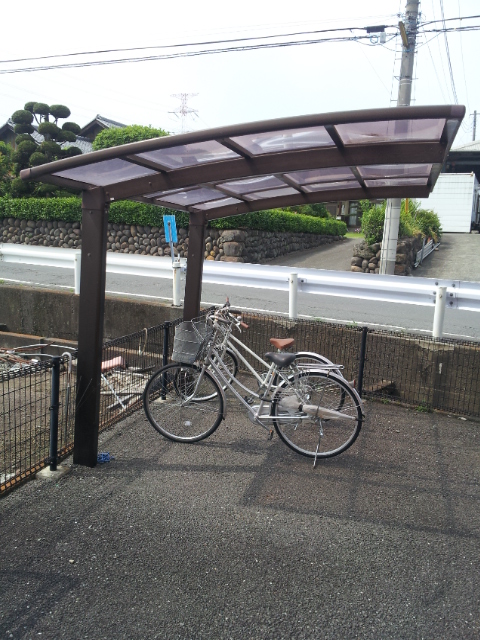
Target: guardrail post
{"x": 77, "y": 266}
{"x": 54, "y": 405}
{"x": 439, "y": 315}
{"x": 176, "y": 283}
{"x": 293, "y": 296}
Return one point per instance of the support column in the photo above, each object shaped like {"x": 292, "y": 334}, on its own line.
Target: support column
{"x": 90, "y": 326}
{"x": 196, "y": 255}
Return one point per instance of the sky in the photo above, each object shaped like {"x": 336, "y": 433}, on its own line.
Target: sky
{"x": 232, "y": 87}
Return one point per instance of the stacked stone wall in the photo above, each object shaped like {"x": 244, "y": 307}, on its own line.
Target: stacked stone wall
{"x": 366, "y": 258}
{"x": 230, "y": 245}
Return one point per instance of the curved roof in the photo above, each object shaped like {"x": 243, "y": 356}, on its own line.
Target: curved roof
{"x": 375, "y": 153}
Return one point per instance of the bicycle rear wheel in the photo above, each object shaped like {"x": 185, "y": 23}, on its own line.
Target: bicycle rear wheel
{"x": 182, "y": 403}
{"x": 307, "y": 416}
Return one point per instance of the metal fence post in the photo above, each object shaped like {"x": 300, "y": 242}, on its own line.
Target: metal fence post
{"x": 166, "y": 340}
{"x": 293, "y": 296}
{"x": 439, "y": 315}
{"x": 54, "y": 405}
{"x": 361, "y": 366}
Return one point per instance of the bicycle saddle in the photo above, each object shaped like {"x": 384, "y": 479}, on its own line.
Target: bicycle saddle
{"x": 281, "y": 343}
{"x": 281, "y": 359}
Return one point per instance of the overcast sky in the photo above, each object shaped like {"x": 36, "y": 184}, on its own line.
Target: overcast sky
{"x": 231, "y": 87}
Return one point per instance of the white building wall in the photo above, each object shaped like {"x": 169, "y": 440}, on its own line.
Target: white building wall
{"x": 452, "y": 200}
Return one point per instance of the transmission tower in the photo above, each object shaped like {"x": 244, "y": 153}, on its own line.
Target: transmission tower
{"x": 184, "y": 111}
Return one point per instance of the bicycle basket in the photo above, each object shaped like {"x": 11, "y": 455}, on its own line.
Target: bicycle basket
{"x": 190, "y": 338}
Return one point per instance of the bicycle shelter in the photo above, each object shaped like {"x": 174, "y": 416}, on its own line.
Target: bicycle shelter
{"x": 366, "y": 154}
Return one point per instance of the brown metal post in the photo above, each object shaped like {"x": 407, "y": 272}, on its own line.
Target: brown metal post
{"x": 196, "y": 255}
{"x": 90, "y": 326}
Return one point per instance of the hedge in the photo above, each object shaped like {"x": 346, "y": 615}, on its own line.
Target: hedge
{"x": 129, "y": 212}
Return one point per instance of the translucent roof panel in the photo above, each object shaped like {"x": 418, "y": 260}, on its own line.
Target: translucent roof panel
{"x": 391, "y": 131}
{"x": 193, "y": 196}
{"x": 396, "y": 182}
{"x": 189, "y": 155}
{"x": 238, "y": 168}
{"x": 394, "y": 170}
{"x": 224, "y": 202}
{"x": 320, "y": 175}
{"x": 332, "y": 186}
{"x": 253, "y": 184}
{"x": 101, "y": 174}
{"x": 287, "y": 140}
{"x": 271, "y": 193}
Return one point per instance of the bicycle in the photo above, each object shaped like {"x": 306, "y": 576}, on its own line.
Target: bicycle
{"x": 315, "y": 412}
{"x": 229, "y": 347}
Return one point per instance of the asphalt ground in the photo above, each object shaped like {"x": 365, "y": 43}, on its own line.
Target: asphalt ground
{"x": 239, "y": 537}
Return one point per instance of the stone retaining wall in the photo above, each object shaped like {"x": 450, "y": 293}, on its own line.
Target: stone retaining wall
{"x": 366, "y": 258}
{"x": 228, "y": 245}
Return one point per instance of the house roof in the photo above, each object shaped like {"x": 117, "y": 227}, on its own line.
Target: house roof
{"x": 99, "y": 122}
{"x": 473, "y": 147}
{"x": 375, "y": 153}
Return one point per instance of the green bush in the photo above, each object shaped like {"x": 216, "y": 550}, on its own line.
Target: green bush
{"x": 373, "y": 219}
{"x": 428, "y": 223}
{"x": 129, "y": 212}
{"x": 123, "y": 135}
{"x": 281, "y": 220}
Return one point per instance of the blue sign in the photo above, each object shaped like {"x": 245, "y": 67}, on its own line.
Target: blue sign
{"x": 170, "y": 226}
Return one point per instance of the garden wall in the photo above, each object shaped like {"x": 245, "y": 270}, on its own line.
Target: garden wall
{"x": 229, "y": 245}
{"x": 366, "y": 258}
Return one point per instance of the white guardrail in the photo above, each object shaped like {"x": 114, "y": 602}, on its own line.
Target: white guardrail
{"x": 440, "y": 293}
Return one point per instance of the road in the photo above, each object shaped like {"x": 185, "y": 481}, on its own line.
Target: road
{"x": 458, "y": 258}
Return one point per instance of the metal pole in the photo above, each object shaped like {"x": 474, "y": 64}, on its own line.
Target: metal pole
{"x": 176, "y": 283}
{"x": 392, "y": 213}
{"x": 361, "y": 366}
{"x": 474, "y": 126}
{"x": 54, "y": 405}
{"x": 77, "y": 267}
{"x": 166, "y": 336}
{"x": 439, "y": 315}
{"x": 293, "y": 296}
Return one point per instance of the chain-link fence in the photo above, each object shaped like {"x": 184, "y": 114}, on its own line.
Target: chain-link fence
{"x": 418, "y": 371}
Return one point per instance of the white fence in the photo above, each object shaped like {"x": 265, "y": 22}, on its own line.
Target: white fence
{"x": 455, "y": 294}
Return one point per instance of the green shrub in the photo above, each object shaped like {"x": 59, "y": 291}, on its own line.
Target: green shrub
{"x": 129, "y": 212}
{"x": 123, "y": 135}
{"x": 428, "y": 223}
{"x": 281, "y": 220}
{"x": 373, "y": 219}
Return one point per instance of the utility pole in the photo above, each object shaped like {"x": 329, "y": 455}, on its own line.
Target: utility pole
{"x": 474, "y": 126}
{"x": 408, "y": 32}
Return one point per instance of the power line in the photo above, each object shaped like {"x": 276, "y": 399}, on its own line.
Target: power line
{"x": 187, "y": 54}
{"x": 448, "y": 55}
{"x": 212, "y": 42}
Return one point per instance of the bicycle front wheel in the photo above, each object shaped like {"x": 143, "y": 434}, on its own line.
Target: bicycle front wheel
{"x": 183, "y": 403}
{"x": 307, "y": 416}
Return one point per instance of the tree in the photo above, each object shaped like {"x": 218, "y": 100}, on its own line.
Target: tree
{"x": 31, "y": 154}
{"x": 6, "y": 168}
{"x": 123, "y": 135}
